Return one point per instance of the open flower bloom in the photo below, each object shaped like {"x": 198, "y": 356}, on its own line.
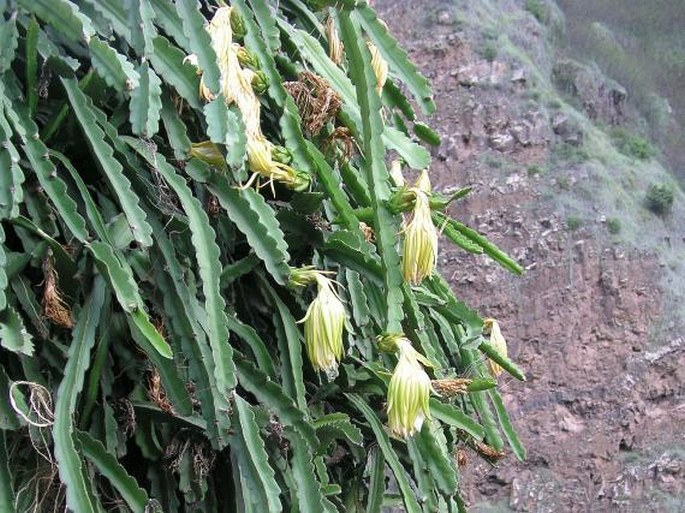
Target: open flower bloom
{"x": 498, "y": 342}
{"x": 420, "y": 236}
{"x": 323, "y": 327}
{"x": 408, "y": 392}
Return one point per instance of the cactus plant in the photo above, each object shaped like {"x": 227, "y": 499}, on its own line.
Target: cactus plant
{"x": 169, "y": 196}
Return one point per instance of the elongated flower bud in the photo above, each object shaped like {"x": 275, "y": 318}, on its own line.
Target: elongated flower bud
{"x": 238, "y": 25}
{"x": 335, "y": 46}
{"x": 379, "y": 65}
{"x": 281, "y": 154}
{"x": 420, "y": 236}
{"x": 396, "y": 173}
{"x": 408, "y": 393}
{"x": 208, "y": 152}
{"x": 246, "y": 58}
{"x": 259, "y": 82}
{"x": 324, "y": 324}
{"x": 497, "y": 341}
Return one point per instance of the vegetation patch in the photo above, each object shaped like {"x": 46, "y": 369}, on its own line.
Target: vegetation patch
{"x": 660, "y": 199}
{"x": 632, "y": 145}
{"x": 614, "y": 225}
{"x": 573, "y": 223}
{"x": 537, "y": 8}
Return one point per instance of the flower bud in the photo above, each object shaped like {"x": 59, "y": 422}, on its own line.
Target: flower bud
{"x": 208, "y": 152}
{"x": 246, "y": 58}
{"x": 396, "y": 173}
{"x": 298, "y": 181}
{"x": 259, "y": 82}
{"x": 379, "y": 65}
{"x": 420, "y": 236}
{"x": 281, "y": 154}
{"x": 335, "y": 46}
{"x": 408, "y": 393}
{"x": 402, "y": 200}
{"x": 497, "y": 341}
{"x": 388, "y": 341}
{"x": 323, "y": 328}
{"x": 238, "y": 25}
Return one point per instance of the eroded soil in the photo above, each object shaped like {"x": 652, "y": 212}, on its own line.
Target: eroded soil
{"x": 602, "y": 413}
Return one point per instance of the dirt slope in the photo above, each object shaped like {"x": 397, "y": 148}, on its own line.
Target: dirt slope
{"x": 602, "y": 415}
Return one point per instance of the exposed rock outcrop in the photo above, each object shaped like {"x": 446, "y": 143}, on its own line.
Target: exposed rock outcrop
{"x": 601, "y": 98}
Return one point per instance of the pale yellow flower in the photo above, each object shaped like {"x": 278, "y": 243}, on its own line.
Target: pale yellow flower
{"x": 324, "y": 324}
{"x": 395, "y": 172}
{"x": 420, "y": 236}
{"x": 379, "y": 65}
{"x": 335, "y": 46}
{"x": 259, "y": 155}
{"x": 236, "y": 87}
{"x": 260, "y": 161}
{"x": 408, "y": 393}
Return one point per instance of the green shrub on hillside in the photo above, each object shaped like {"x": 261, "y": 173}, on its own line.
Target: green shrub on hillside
{"x": 573, "y": 223}
{"x": 538, "y": 9}
{"x": 569, "y": 153}
{"x": 632, "y": 145}
{"x": 534, "y": 169}
{"x": 660, "y": 199}
{"x": 489, "y": 52}
{"x": 614, "y": 225}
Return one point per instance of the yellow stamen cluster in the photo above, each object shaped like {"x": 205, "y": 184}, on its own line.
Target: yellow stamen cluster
{"x": 498, "y": 342}
{"x": 408, "y": 392}
{"x": 420, "y": 236}
{"x": 450, "y": 387}
{"x": 237, "y": 87}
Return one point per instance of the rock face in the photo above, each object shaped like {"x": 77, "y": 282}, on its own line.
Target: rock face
{"x": 602, "y": 99}
{"x": 602, "y": 412}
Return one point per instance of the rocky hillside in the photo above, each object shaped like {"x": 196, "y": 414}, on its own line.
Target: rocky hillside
{"x": 561, "y": 182}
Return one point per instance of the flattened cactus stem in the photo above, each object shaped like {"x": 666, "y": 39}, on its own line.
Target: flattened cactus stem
{"x": 53, "y": 125}
{"x": 509, "y": 366}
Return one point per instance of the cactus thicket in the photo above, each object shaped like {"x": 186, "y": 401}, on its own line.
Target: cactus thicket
{"x": 217, "y": 292}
